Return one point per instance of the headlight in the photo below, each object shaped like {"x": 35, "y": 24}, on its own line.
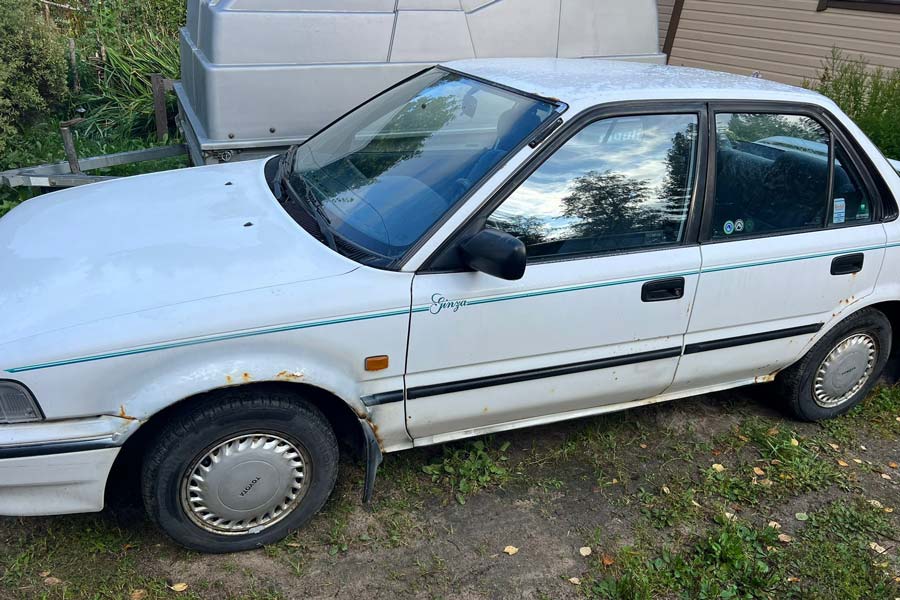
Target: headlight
{"x": 17, "y": 405}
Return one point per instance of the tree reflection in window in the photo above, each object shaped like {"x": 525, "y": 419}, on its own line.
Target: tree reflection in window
{"x": 619, "y": 184}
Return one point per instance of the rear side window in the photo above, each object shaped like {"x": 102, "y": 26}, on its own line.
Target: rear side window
{"x": 773, "y": 173}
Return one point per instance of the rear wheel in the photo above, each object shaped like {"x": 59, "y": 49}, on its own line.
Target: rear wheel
{"x": 239, "y": 471}
{"x": 841, "y": 369}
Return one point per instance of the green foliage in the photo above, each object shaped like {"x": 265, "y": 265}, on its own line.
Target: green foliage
{"x": 32, "y": 68}
{"x": 832, "y": 557}
{"x": 470, "y": 468}
{"x": 122, "y": 104}
{"x": 732, "y": 560}
{"x": 871, "y": 97}
{"x": 791, "y": 467}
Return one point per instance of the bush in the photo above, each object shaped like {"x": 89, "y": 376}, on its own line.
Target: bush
{"x": 870, "y": 96}
{"x": 33, "y": 71}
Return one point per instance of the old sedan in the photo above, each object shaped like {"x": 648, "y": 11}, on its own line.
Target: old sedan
{"x": 487, "y": 245}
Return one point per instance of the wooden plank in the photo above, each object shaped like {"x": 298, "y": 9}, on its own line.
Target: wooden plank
{"x": 844, "y": 19}
{"x": 788, "y": 41}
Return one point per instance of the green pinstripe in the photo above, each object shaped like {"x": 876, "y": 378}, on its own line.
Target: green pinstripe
{"x": 419, "y": 309}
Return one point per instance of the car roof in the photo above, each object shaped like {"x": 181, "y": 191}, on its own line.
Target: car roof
{"x": 583, "y": 82}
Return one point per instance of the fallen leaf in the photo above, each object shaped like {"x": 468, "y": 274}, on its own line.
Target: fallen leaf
{"x": 666, "y": 490}
{"x": 718, "y": 468}
{"x": 888, "y": 509}
{"x": 44, "y": 573}
{"x": 843, "y": 463}
{"x": 743, "y": 438}
{"x": 607, "y": 560}
{"x": 178, "y": 587}
{"x": 695, "y": 503}
{"x": 294, "y": 545}
{"x": 584, "y": 551}
{"x": 644, "y": 446}
{"x": 766, "y": 482}
{"x": 834, "y": 446}
{"x": 893, "y": 465}
{"x": 730, "y": 516}
{"x": 897, "y": 419}
{"x": 879, "y": 549}
{"x": 758, "y": 471}
{"x": 775, "y": 461}
{"x": 614, "y": 481}
{"x": 876, "y": 503}
{"x": 574, "y": 581}
{"x": 52, "y": 581}
{"x": 857, "y": 461}
{"x": 861, "y": 447}
{"x": 783, "y": 537}
{"x": 510, "y": 550}
{"x": 801, "y": 516}
{"x": 795, "y": 442}
{"x": 773, "y": 431}
{"x": 885, "y": 476}
{"x": 774, "y": 524}
{"x": 793, "y": 579}
{"x": 138, "y": 594}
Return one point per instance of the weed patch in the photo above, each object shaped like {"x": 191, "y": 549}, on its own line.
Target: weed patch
{"x": 467, "y": 469}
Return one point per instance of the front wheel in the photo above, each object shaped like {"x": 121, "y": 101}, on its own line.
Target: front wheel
{"x": 841, "y": 369}
{"x": 239, "y": 471}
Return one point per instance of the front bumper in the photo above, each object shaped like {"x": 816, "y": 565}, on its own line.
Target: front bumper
{"x": 58, "y": 467}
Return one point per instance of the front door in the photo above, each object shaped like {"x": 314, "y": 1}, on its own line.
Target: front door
{"x": 600, "y": 314}
{"x": 791, "y": 242}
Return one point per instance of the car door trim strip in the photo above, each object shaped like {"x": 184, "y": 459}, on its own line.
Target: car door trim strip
{"x": 753, "y": 338}
{"x": 475, "y": 383}
{"x": 464, "y": 385}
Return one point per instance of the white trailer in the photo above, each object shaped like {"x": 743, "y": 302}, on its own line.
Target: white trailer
{"x": 260, "y": 75}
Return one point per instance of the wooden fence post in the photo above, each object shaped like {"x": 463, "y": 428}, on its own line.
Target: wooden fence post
{"x": 159, "y": 105}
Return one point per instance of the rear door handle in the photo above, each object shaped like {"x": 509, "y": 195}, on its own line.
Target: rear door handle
{"x": 660, "y": 290}
{"x": 847, "y": 264}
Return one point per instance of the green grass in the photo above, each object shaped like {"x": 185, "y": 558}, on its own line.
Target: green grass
{"x": 830, "y": 558}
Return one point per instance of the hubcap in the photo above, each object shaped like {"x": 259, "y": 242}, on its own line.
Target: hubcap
{"x": 245, "y": 484}
{"x": 845, "y": 370}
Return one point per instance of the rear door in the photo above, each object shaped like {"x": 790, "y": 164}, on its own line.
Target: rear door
{"x": 599, "y": 316}
{"x": 791, "y": 238}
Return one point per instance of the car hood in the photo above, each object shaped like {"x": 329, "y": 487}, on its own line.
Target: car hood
{"x": 149, "y": 241}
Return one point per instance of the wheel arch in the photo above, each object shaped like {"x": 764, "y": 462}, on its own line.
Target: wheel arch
{"x": 891, "y": 309}
{"x": 348, "y": 427}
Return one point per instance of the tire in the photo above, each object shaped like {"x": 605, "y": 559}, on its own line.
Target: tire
{"x": 861, "y": 344}
{"x": 239, "y": 470}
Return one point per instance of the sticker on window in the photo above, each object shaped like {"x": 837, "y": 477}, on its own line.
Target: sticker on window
{"x": 840, "y": 211}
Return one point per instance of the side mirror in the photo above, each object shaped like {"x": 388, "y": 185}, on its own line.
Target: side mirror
{"x": 496, "y": 253}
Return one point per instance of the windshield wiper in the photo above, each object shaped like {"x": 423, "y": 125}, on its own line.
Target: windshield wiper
{"x": 310, "y": 204}
{"x": 283, "y": 169}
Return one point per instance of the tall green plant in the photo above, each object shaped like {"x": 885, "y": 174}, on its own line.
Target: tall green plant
{"x": 122, "y": 102}
{"x": 870, "y": 96}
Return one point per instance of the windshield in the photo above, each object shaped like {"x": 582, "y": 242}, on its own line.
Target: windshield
{"x": 386, "y": 172}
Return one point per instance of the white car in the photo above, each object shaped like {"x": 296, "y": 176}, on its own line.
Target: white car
{"x": 488, "y": 245}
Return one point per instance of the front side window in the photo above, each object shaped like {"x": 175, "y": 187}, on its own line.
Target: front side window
{"x": 384, "y": 174}
{"x": 772, "y": 177}
{"x": 619, "y": 184}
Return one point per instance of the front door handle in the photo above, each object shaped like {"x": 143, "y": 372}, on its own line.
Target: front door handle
{"x": 847, "y": 264}
{"x": 663, "y": 289}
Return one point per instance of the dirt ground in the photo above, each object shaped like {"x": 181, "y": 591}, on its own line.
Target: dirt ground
{"x": 686, "y": 499}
